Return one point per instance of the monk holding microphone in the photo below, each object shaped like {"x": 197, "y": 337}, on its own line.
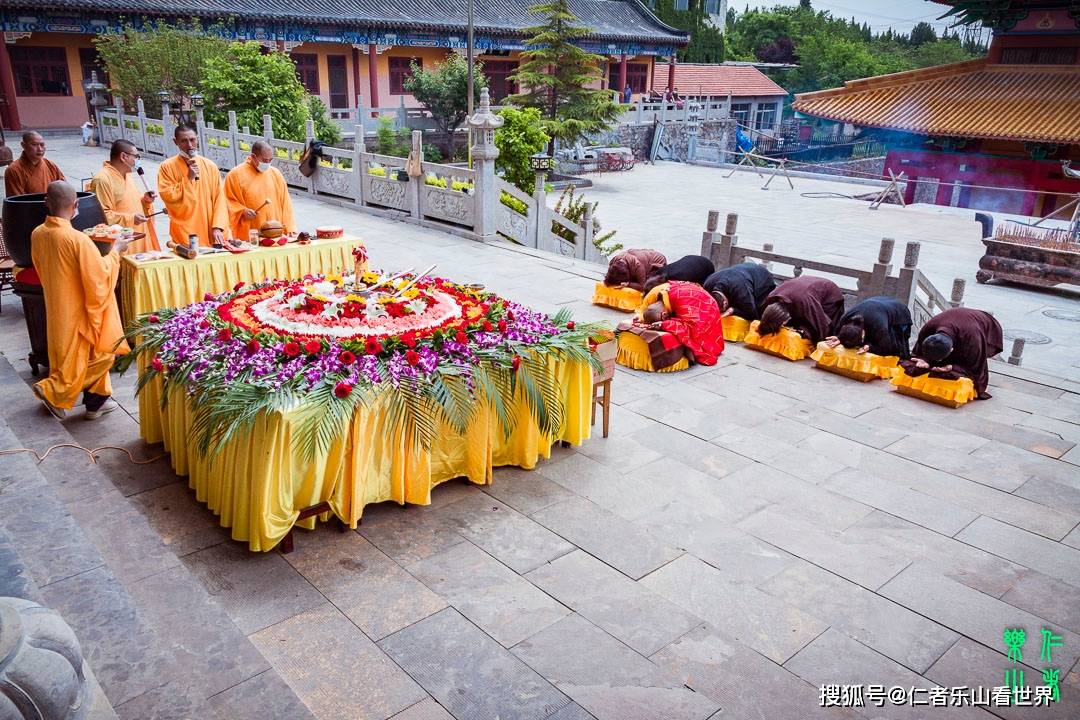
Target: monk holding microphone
{"x": 191, "y": 188}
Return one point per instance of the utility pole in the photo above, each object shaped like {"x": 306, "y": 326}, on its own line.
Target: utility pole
{"x": 469, "y": 52}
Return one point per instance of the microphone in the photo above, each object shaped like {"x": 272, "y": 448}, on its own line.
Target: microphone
{"x": 195, "y": 167}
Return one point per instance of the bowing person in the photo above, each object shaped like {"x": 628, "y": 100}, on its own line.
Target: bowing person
{"x": 880, "y": 325}
{"x": 691, "y": 268}
{"x": 631, "y": 268}
{"x": 31, "y": 172}
{"x": 741, "y": 289}
{"x": 957, "y": 343}
{"x": 255, "y": 192}
{"x": 690, "y": 314}
{"x": 123, "y": 202}
{"x": 809, "y": 305}
{"x": 80, "y": 302}
{"x": 191, "y": 188}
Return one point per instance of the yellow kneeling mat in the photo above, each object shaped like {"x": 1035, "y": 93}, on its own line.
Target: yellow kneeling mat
{"x": 626, "y": 299}
{"x": 848, "y": 362}
{"x": 786, "y": 343}
{"x": 634, "y": 354}
{"x": 735, "y": 328}
{"x": 950, "y": 393}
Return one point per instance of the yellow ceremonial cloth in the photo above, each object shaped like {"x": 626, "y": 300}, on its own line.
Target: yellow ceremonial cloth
{"x": 846, "y": 361}
{"x": 22, "y": 178}
{"x": 159, "y": 284}
{"x": 626, "y": 299}
{"x": 786, "y": 343}
{"x": 247, "y": 189}
{"x": 121, "y": 200}
{"x": 735, "y": 328}
{"x": 950, "y": 393}
{"x": 259, "y": 482}
{"x": 80, "y": 302}
{"x": 195, "y": 206}
{"x": 634, "y": 354}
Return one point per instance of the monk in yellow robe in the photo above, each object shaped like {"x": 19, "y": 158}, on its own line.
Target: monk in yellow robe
{"x": 80, "y": 303}
{"x": 32, "y": 171}
{"x": 191, "y": 189}
{"x": 249, "y": 185}
{"x": 121, "y": 200}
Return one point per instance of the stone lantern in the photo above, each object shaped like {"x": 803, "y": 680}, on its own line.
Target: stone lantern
{"x": 483, "y": 124}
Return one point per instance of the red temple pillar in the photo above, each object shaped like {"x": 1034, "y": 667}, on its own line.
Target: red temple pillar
{"x": 373, "y": 74}
{"x": 622, "y": 74}
{"x": 9, "y": 111}
{"x": 671, "y": 72}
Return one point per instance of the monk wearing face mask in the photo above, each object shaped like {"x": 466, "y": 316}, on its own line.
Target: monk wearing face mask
{"x": 256, "y": 192}
{"x": 120, "y": 198}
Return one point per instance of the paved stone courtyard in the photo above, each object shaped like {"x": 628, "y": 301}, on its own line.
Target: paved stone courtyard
{"x": 747, "y": 533}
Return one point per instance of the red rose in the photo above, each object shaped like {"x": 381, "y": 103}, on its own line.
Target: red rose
{"x": 510, "y": 315}
{"x": 412, "y": 357}
{"x": 204, "y": 325}
{"x": 487, "y": 326}
{"x": 153, "y": 318}
{"x": 373, "y": 346}
{"x": 502, "y": 326}
{"x": 342, "y": 390}
{"x": 346, "y": 358}
{"x": 570, "y": 325}
{"x": 461, "y": 337}
{"x": 238, "y": 285}
{"x": 224, "y": 334}
{"x": 291, "y": 349}
{"x": 157, "y": 365}
{"x": 515, "y": 362}
{"x": 409, "y": 341}
{"x": 311, "y": 347}
{"x": 253, "y": 346}
{"x": 208, "y": 297}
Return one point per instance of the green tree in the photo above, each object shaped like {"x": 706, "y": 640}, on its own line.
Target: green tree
{"x": 941, "y": 52}
{"x": 253, "y": 84}
{"x": 325, "y": 128}
{"x": 921, "y": 34}
{"x": 520, "y": 136}
{"x": 444, "y": 91}
{"x": 141, "y": 63}
{"x": 706, "y": 41}
{"x": 555, "y": 75}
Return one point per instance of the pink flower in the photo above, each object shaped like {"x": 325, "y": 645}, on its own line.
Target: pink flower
{"x": 153, "y": 318}
{"x": 209, "y": 297}
{"x": 157, "y": 365}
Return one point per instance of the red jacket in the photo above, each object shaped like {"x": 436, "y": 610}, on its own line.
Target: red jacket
{"x": 695, "y": 320}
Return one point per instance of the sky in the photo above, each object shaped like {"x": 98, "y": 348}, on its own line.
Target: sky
{"x": 880, "y": 14}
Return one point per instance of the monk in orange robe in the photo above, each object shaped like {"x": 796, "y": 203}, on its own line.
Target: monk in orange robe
{"x": 80, "y": 302}
{"x": 249, "y": 186}
{"x": 689, "y": 312}
{"x": 32, "y": 171}
{"x": 121, "y": 200}
{"x": 191, "y": 189}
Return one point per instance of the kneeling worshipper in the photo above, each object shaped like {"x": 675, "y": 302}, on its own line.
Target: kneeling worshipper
{"x": 954, "y": 345}
{"x": 798, "y": 314}
{"x": 625, "y": 279}
{"x": 80, "y": 303}
{"x": 123, "y": 202}
{"x": 870, "y": 339}
{"x": 689, "y": 313}
{"x": 256, "y": 192}
{"x": 691, "y": 268}
{"x": 740, "y": 292}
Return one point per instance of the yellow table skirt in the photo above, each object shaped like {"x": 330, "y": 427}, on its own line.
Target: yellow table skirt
{"x": 786, "y": 343}
{"x": 862, "y": 367}
{"x": 626, "y": 299}
{"x": 735, "y": 328}
{"x": 950, "y": 393}
{"x": 258, "y": 483}
{"x": 150, "y": 286}
{"x": 634, "y": 354}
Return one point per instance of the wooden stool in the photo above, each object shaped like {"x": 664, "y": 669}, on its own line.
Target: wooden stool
{"x": 604, "y": 401}
{"x": 606, "y": 352}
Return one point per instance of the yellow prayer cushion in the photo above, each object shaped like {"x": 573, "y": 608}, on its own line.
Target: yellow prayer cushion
{"x": 626, "y": 299}
{"x": 786, "y": 343}
{"x": 950, "y": 393}
{"x": 735, "y": 328}
{"x": 848, "y": 362}
{"x": 634, "y": 354}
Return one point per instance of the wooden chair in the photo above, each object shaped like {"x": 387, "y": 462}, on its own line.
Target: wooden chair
{"x": 607, "y": 353}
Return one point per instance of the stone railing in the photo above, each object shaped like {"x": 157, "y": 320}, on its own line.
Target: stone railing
{"x": 449, "y": 197}
{"x": 909, "y": 285}
{"x": 404, "y": 118}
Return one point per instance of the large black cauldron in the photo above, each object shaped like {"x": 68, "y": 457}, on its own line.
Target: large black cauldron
{"x": 23, "y": 213}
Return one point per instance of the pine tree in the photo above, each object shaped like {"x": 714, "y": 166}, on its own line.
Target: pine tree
{"x": 555, "y": 76}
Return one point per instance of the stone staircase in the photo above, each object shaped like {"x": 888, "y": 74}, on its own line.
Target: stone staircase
{"x": 159, "y": 645}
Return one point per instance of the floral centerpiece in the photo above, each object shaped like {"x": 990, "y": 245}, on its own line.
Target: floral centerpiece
{"x": 429, "y": 351}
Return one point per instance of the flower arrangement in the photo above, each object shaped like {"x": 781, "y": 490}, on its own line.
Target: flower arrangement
{"x": 430, "y": 353}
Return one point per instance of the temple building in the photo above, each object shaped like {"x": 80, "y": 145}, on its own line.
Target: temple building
{"x": 342, "y": 50}
{"x": 963, "y": 130}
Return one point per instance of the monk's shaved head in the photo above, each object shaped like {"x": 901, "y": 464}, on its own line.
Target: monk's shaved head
{"x": 261, "y": 152}
{"x": 654, "y": 312}
{"x": 33, "y": 146}
{"x": 60, "y": 199}
{"x": 121, "y": 146}
{"x": 32, "y": 136}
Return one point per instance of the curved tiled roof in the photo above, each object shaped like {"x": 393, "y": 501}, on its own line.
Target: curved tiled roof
{"x": 609, "y": 19}
{"x": 717, "y": 80}
{"x": 973, "y": 99}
